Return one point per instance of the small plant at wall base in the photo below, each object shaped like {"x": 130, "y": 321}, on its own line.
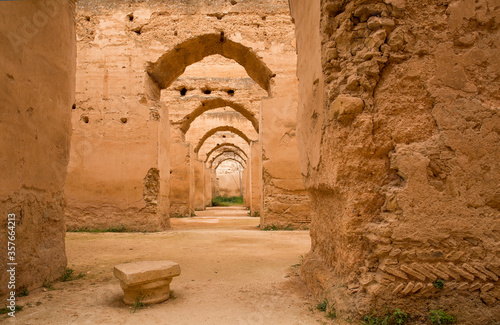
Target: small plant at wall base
{"x": 439, "y": 283}
{"x": 397, "y": 317}
{"x": 23, "y": 292}
{"x": 439, "y": 317}
{"x": 227, "y": 201}
{"x": 69, "y": 275}
{"x": 6, "y": 310}
{"x": 138, "y": 304}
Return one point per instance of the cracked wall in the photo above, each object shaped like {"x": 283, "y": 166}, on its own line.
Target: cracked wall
{"x": 400, "y": 152}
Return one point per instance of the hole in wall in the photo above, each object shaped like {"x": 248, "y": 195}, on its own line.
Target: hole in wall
{"x": 206, "y": 91}
{"x": 130, "y": 17}
{"x": 124, "y": 120}
{"x": 183, "y": 91}
{"x": 87, "y": 18}
{"x": 264, "y": 17}
{"x": 137, "y": 30}
{"x": 84, "y": 119}
{"x": 74, "y": 106}
{"x": 175, "y": 33}
{"x": 233, "y": 2}
{"x": 230, "y": 92}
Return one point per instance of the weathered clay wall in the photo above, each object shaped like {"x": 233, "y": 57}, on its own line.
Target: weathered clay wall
{"x": 37, "y": 73}
{"x": 120, "y": 134}
{"x": 285, "y": 200}
{"x": 256, "y": 177}
{"x": 402, "y": 159}
{"x": 199, "y": 185}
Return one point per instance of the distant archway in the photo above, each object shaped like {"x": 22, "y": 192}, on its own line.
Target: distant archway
{"x": 221, "y": 129}
{"x": 225, "y": 145}
{"x": 225, "y": 156}
{"x": 207, "y": 105}
{"x": 173, "y": 63}
{"x": 230, "y": 154}
{"x": 227, "y": 160}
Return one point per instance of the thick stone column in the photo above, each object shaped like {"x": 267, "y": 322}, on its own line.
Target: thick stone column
{"x": 285, "y": 200}
{"x": 208, "y": 186}
{"x": 199, "y": 185}
{"x": 400, "y": 150}
{"x": 37, "y": 74}
{"x": 255, "y": 160}
{"x": 180, "y": 175}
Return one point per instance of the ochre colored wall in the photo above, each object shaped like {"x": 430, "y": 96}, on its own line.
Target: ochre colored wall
{"x": 401, "y": 157}
{"x": 37, "y": 73}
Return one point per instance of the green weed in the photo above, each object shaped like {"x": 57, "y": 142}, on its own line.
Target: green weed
{"x": 68, "y": 275}
{"x": 227, "y": 201}
{"x": 439, "y": 283}
{"x": 439, "y": 317}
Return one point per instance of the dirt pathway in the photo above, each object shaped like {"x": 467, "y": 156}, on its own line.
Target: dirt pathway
{"x": 232, "y": 273}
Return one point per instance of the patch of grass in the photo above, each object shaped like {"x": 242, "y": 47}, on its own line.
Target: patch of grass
{"x": 274, "y": 227}
{"x": 221, "y": 201}
{"x": 439, "y": 283}
{"x": 172, "y": 295}
{"x": 322, "y": 306}
{"x": 440, "y": 317}
{"x": 111, "y": 229}
{"x": 6, "y": 310}
{"x": 23, "y": 292}
{"x": 397, "y": 317}
{"x": 69, "y": 275}
{"x": 48, "y": 285}
{"x": 256, "y": 214}
{"x": 38, "y": 303}
{"x": 138, "y": 304}
{"x": 325, "y": 307}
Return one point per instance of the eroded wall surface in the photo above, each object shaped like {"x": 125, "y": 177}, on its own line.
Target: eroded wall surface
{"x": 402, "y": 159}
{"x": 284, "y": 198}
{"x": 37, "y": 73}
{"x": 119, "y": 132}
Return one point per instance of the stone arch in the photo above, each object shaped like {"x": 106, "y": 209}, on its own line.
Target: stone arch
{"x": 227, "y": 155}
{"x": 207, "y": 105}
{"x": 226, "y": 152}
{"x": 227, "y": 128}
{"x": 225, "y": 145}
{"x": 173, "y": 63}
{"x": 226, "y": 159}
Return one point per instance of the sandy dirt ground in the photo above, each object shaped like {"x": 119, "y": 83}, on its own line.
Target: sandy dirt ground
{"x": 232, "y": 273}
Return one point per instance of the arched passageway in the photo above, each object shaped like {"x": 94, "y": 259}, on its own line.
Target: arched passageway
{"x": 173, "y": 63}
{"x": 212, "y": 104}
{"x": 228, "y": 128}
{"x": 224, "y": 146}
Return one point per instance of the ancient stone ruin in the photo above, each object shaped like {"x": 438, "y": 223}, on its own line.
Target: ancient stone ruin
{"x": 374, "y": 124}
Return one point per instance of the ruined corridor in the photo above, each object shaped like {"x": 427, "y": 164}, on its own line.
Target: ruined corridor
{"x": 320, "y": 161}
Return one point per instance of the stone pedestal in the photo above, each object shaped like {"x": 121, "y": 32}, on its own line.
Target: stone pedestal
{"x": 147, "y": 282}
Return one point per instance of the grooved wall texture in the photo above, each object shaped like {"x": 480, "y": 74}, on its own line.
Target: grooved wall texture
{"x": 400, "y": 145}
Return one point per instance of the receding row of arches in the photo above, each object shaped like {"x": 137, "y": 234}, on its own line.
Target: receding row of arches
{"x": 218, "y": 142}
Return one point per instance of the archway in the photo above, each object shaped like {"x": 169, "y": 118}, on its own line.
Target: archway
{"x": 173, "y": 63}
{"x": 224, "y": 145}
{"x": 214, "y": 104}
{"x": 228, "y": 128}
{"x": 229, "y": 154}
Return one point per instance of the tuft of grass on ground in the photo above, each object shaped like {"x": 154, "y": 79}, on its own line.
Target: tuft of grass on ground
{"x": 6, "y": 310}
{"x": 69, "y": 275}
{"x": 111, "y": 229}
{"x": 221, "y": 201}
